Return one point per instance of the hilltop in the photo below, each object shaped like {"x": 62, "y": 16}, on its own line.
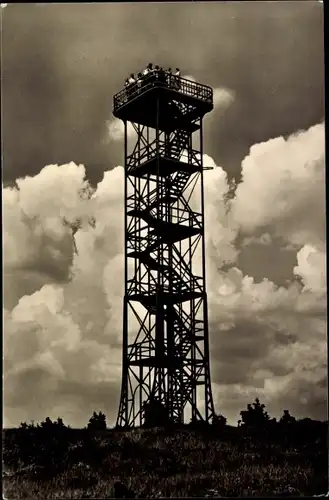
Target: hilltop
{"x": 60, "y": 462}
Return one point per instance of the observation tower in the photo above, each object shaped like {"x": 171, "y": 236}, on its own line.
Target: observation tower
{"x": 165, "y": 364}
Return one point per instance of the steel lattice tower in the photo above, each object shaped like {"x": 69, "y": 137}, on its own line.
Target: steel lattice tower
{"x": 165, "y": 319}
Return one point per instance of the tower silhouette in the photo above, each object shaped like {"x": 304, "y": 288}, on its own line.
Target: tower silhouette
{"x": 165, "y": 364}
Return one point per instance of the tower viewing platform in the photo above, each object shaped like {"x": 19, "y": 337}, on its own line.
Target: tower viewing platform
{"x": 138, "y": 102}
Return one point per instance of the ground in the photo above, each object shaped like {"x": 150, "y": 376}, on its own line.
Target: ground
{"x": 164, "y": 463}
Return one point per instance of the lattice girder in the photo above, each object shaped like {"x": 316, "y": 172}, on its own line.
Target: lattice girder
{"x": 165, "y": 330}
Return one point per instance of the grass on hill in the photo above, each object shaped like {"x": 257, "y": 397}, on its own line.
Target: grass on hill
{"x": 157, "y": 463}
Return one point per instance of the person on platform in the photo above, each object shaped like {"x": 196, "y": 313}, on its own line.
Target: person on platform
{"x": 156, "y": 72}
{"x": 177, "y": 79}
{"x": 147, "y": 70}
{"x": 131, "y": 79}
{"x": 146, "y": 73}
{"x": 162, "y": 75}
{"x": 139, "y": 81}
{"x": 169, "y": 74}
{"x": 130, "y": 87}
{"x": 151, "y": 71}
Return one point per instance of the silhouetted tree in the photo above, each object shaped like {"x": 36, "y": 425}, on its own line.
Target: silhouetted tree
{"x": 255, "y": 415}
{"x": 97, "y": 422}
{"x": 47, "y": 423}
{"x": 219, "y": 421}
{"x": 287, "y": 419}
{"x": 59, "y": 422}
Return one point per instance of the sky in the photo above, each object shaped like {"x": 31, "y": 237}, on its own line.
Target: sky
{"x": 62, "y": 161}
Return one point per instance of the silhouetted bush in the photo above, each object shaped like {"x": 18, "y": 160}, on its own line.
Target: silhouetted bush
{"x": 219, "y": 421}
{"x": 255, "y": 415}
{"x": 44, "y": 444}
{"x": 97, "y": 422}
{"x": 287, "y": 419}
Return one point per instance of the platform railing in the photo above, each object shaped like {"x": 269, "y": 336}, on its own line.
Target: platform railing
{"x": 162, "y": 80}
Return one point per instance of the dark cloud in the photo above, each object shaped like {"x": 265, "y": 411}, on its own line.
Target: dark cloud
{"x": 262, "y": 261}
{"x": 305, "y": 398}
{"x": 62, "y": 65}
{"x": 28, "y": 385}
{"x": 19, "y": 282}
{"x": 235, "y": 351}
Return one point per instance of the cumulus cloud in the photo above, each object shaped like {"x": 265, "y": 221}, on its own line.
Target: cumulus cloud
{"x": 223, "y": 97}
{"x": 311, "y": 268}
{"x": 115, "y": 130}
{"x": 73, "y": 319}
{"x": 283, "y": 185}
{"x": 279, "y": 332}
{"x": 63, "y": 329}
